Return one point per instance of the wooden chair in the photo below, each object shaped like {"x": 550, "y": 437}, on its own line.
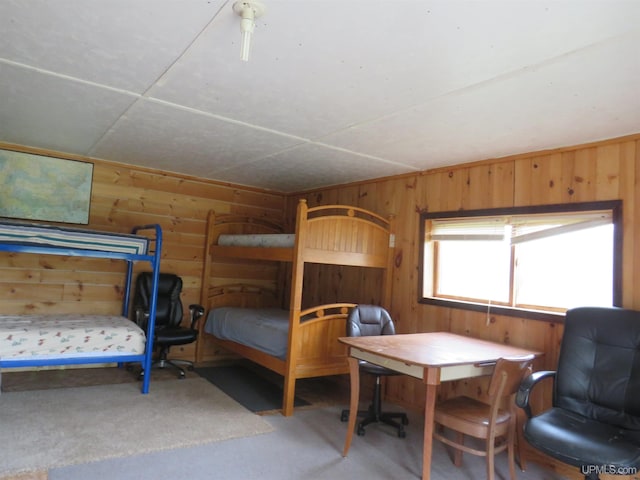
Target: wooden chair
{"x": 495, "y": 422}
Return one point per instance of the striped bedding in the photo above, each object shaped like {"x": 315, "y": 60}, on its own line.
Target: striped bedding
{"x": 48, "y": 235}
{"x": 264, "y": 240}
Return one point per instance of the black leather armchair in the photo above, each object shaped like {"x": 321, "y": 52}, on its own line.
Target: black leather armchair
{"x": 594, "y": 422}
{"x": 169, "y": 312}
{"x": 366, "y": 320}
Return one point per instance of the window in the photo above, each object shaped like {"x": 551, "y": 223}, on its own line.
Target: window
{"x": 527, "y": 261}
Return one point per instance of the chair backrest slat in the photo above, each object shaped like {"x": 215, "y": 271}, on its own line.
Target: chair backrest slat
{"x": 508, "y": 374}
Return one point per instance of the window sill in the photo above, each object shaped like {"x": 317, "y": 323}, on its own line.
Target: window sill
{"x": 496, "y": 309}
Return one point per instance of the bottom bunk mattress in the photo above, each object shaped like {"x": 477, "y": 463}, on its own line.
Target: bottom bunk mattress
{"x": 55, "y": 336}
{"x": 265, "y": 329}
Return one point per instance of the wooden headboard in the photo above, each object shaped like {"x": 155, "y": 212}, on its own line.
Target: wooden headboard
{"x": 241, "y": 295}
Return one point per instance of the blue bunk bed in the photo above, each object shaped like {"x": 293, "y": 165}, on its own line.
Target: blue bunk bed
{"x": 37, "y": 340}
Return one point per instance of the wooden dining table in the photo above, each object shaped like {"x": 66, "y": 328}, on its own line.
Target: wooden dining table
{"x": 432, "y": 357}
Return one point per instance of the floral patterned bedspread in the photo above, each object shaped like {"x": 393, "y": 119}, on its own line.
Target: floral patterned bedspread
{"x": 27, "y": 336}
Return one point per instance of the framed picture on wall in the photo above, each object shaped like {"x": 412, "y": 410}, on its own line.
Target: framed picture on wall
{"x": 37, "y": 187}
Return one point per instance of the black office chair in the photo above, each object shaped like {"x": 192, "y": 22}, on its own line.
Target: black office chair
{"x": 594, "y": 422}
{"x": 169, "y": 311}
{"x": 368, "y": 320}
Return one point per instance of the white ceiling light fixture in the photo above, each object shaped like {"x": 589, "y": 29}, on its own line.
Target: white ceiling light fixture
{"x": 249, "y": 10}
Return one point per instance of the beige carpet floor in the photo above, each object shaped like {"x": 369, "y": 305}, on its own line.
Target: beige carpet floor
{"x": 42, "y": 429}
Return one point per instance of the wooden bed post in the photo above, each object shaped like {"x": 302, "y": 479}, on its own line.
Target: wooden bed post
{"x": 327, "y": 234}
{"x": 295, "y": 307}
{"x": 387, "y": 281}
{"x": 206, "y": 279}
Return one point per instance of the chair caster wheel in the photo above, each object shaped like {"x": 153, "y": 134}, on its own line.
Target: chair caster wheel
{"x": 344, "y": 416}
{"x": 402, "y": 434}
{"x": 360, "y": 431}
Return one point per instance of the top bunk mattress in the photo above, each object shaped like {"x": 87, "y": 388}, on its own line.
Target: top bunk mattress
{"x": 265, "y": 329}
{"x": 16, "y": 233}
{"x": 64, "y": 335}
{"x": 263, "y": 240}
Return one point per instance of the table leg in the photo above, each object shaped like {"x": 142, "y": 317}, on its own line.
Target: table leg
{"x": 354, "y": 374}
{"x": 429, "y": 408}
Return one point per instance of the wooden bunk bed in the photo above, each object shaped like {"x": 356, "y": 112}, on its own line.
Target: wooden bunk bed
{"x": 32, "y": 340}
{"x": 328, "y": 234}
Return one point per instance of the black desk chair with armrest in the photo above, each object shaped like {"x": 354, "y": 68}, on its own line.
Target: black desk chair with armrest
{"x": 169, "y": 311}
{"x": 367, "y": 320}
{"x": 594, "y": 422}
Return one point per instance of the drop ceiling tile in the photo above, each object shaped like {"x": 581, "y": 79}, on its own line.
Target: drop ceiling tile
{"x": 309, "y": 166}
{"x": 343, "y": 66}
{"x": 162, "y": 136}
{"x": 402, "y": 85}
{"x": 50, "y": 112}
{"x": 118, "y": 43}
{"x": 586, "y": 96}
{"x": 313, "y": 77}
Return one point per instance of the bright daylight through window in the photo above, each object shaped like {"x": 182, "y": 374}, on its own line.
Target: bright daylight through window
{"x": 534, "y": 259}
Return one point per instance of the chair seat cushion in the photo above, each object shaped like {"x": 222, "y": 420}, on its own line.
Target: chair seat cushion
{"x": 175, "y": 336}
{"x": 468, "y": 415}
{"x": 579, "y": 441}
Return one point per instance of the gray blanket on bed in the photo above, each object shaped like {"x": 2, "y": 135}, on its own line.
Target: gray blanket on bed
{"x": 265, "y": 329}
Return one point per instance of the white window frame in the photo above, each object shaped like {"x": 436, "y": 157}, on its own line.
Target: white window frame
{"x": 489, "y": 224}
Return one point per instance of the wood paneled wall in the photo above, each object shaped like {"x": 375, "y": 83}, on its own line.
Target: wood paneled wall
{"x": 124, "y": 196}
{"x": 601, "y": 171}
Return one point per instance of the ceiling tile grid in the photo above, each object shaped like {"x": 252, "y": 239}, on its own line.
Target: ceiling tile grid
{"x": 333, "y": 92}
